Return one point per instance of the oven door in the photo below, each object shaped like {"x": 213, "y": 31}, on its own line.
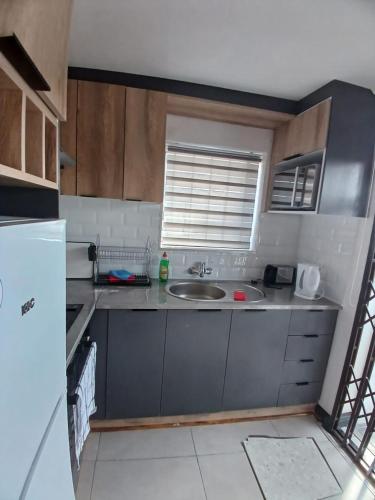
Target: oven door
{"x": 295, "y": 189}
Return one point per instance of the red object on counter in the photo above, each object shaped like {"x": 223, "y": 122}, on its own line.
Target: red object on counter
{"x": 115, "y": 279}
{"x": 239, "y": 295}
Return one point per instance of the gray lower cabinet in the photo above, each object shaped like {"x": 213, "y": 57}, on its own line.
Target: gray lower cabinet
{"x": 255, "y": 358}
{"x": 312, "y": 321}
{"x": 306, "y": 355}
{"x": 136, "y": 342}
{"x": 194, "y": 364}
{"x": 299, "y": 393}
{"x": 98, "y": 331}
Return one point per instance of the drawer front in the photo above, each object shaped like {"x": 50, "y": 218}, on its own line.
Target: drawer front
{"x": 314, "y": 347}
{"x": 304, "y": 370}
{"x": 259, "y": 320}
{"x": 299, "y": 394}
{"x": 312, "y": 321}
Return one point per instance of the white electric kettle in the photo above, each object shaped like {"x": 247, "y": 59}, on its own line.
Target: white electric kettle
{"x": 308, "y": 282}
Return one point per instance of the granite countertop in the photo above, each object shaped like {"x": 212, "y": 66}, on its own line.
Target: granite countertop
{"x": 156, "y": 297}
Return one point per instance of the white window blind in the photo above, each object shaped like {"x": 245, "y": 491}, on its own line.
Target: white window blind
{"x": 210, "y": 198}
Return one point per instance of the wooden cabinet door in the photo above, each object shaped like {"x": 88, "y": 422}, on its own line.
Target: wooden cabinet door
{"x": 307, "y": 132}
{"x": 279, "y": 143}
{"x": 100, "y": 139}
{"x": 135, "y": 363}
{"x": 68, "y": 141}
{"x": 144, "y": 145}
{"x": 255, "y": 359}
{"x": 43, "y": 28}
{"x": 303, "y": 134}
{"x": 196, "y": 348}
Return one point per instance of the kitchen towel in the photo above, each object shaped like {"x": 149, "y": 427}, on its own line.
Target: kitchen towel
{"x": 290, "y": 468}
{"x": 85, "y": 405}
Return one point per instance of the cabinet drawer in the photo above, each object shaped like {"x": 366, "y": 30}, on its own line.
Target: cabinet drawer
{"x": 312, "y": 321}
{"x": 303, "y": 370}
{"x": 308, "y": 346}
{"x": 299, "y": 394}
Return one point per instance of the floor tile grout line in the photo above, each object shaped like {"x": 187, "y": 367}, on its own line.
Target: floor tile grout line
{"x": 99, "y": 442}
{"x": 137, "y": 459}
{"x": 199, "y": 467}
{"x": 96, "y": 461}
{"x": 192, "y": 438}
{"x": 92, "y": 480}
{"x": 274, "y": 428}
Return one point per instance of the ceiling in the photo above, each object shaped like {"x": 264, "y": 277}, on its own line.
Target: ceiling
{"x": 282, "y": 48}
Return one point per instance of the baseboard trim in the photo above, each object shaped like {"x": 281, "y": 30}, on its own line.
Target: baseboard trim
{"x": 199, "y": 419}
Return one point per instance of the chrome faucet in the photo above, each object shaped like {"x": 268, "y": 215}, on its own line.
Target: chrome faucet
{"x": 200, "y": 269}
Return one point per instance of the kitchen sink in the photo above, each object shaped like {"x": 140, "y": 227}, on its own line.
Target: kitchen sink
{"x": 196, "y": 291}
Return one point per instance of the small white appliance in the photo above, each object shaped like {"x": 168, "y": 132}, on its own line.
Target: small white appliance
{"x": 34, "y": 451}
{"x": 308, "y": 282}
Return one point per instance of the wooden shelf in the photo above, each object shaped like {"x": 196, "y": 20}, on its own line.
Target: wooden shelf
{"x": 10, "y": 122}
{"x": 50, "y": 150}
{"x": 34, "y": 140}
{"x": 11, "y": 177}
{"x": 28, "y": 134}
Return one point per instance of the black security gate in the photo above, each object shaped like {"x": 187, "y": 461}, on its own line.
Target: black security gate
{"x": 354, "y": 412}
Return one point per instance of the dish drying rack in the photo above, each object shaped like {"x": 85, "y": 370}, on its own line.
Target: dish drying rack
{"x": 135, "y": 260}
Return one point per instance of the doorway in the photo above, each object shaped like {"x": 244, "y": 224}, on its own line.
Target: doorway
{"x": 354, "y": 411}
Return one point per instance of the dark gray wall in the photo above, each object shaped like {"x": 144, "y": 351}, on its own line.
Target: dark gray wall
{"x": 350, "y": 147}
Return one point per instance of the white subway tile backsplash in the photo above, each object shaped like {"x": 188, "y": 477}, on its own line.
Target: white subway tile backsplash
{"x": 331, "y": 242}
{"x": 110, "y": 218}
{"x": 124, "y": 231}
{"x": 130, "y": 223}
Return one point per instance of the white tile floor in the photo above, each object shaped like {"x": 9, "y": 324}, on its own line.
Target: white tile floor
{"x": 197, "y": 463}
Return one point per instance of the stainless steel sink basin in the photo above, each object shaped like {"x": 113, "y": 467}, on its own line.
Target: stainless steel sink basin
{"x": 196, "y": 291}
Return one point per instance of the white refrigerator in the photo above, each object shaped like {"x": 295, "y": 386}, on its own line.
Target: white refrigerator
{"x": 34, "y": 445}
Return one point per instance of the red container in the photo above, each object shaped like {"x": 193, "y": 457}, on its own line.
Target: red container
{"x": 239, "y": 295}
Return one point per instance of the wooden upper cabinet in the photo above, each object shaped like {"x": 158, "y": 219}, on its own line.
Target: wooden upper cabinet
{"x": 100, "y": 139}
{"x": 68, "y": 141}
{"x": 144, "y": 145}
{"x": 303, "y": 134}
{"x": 43, "y": 27}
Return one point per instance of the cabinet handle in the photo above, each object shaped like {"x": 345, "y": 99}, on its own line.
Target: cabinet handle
{"x": 306, "y": 360}
{"x": 315, "y": 310}
{"x": 302, "y": 383}
{"x": 291, "y": 157}
{"x": 208, "y": 310}
{"x": 312, "y": 336}
{"x": 254, "y": 310}
{"x": 133, "y": 199}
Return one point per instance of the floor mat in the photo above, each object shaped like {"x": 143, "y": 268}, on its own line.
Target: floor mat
{"x": 290, "y": 468}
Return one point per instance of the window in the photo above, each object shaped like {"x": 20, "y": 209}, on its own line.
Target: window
{"x": 211, "y": 198}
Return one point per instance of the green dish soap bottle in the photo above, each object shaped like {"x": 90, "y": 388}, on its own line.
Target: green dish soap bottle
{"x": 163, "y": 268}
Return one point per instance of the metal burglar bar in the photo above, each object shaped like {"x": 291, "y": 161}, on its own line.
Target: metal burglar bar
{"x": 355, "y": 406}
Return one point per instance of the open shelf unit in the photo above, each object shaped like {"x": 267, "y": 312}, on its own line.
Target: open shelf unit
{"x": 28, "y": 134}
